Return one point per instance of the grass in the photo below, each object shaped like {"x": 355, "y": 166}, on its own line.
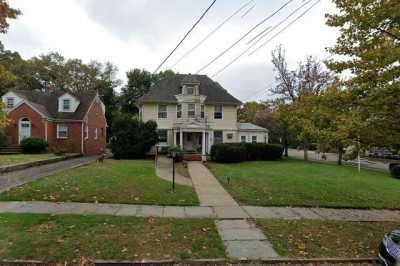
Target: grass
{"x": 13, "y": 159}
{"x": 114, "y": 181}
{"x": 293, "y": 182}
{"x": 68, "y": 237}
{"x": 325, "y": 239}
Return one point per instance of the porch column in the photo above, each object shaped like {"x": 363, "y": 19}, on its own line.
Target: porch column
{"x": 203, "y": 147}
{"x": 181, "y": 138}
{"x": 174, "y": 136}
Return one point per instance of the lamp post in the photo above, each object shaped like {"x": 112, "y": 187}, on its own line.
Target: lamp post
{"x": 173, "y": 170}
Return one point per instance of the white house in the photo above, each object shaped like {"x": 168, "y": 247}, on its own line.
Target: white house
{"x": 195, "y": 112}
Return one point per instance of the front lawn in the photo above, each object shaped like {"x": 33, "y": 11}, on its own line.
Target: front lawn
{"x": 11, "y": 159}
{"x": 298, "y": 183}
{"x": 325, "y": 239}
{"x": 114, "y": 181}
{"x": 53, "y": 238}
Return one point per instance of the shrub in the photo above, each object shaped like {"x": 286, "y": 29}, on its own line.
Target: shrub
{"x": 179, "y": 153}
{"x": 62, "y": 147}
{"x": 228, "y": 153}
{"x": 33, "y": 145}
{"x": 132, "y": 139}
{"x": 237, "y": 152}
{"x": 2, "y": 138}
{"x": 395, "y": 170}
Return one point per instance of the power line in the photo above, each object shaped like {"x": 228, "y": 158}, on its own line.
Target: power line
{"x": 248, "y": 11}
{"x": 266, "y": 31}
{"x": 184, "y": 37}
{"x": 242, "y": 37}
{"x": 251, "y": 46}
{"x": 210, "y": 34}
{"x": 287, "y": 26}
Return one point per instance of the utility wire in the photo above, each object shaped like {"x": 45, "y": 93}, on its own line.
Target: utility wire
{"x": 248, "y": 11}
{"x": 184, "y": 37}
{"x": 210, "y": 34}
{"x": 287, "y": 26}
{"x": 242, "y": 37}
{"x": 269, "y": 29}
{"x": 251, "y": 46}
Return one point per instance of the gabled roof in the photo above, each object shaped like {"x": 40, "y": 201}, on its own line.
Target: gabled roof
{"x": 250, "y": 126}
{"x": 165, "y": 90}
{"x": 47, "y": 103}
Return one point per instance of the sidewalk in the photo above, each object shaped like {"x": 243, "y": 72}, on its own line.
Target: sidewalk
{"x": 164, "y": 170}
{"x": 17, "y": 178}
{"x": 241, "y": 239}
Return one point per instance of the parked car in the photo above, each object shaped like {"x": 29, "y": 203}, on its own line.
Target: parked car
{"x": 383, "y": 153}
{"x": 389, "y": 249}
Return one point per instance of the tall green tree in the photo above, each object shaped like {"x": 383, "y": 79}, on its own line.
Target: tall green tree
{"x": 369, "y": 48}
{"x": 6, "y": 13}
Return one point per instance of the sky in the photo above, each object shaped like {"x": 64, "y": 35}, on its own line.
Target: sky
{"x": 141, "y": 33}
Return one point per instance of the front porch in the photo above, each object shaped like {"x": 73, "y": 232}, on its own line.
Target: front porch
{"x": 195, "y": 143}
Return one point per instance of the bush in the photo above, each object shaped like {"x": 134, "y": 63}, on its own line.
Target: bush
{"x": 33, "y": 145}
{"x": 238, "y": 152}
{"x": 132, "y": 139}
{"x": 395, "y": 170}
{"x": 2, "y": 138}
{"x": 228, "y": 153}
{"x": 178, "y": 151}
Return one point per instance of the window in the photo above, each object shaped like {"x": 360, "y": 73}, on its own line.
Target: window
{"x": 95, "y": 133}
{"x": 243, "y": 138}
{"x": 85, "y": 132}
{"x": 218, "y": 137}
{"x": 218, "y": 111}
{"x": 66, "y": 104}
{"x": 254, "y": 139}
{"x": 189, "y": 90}
{"x": 162, "y": 135}
{"x": 191, "y": 110}
{"x": 202, "y": 111}
{"x": 162, "y": 111}
{"x": 178, "y": 110}
{"x": 62, "y": 131}
{"x": 10, "y": 103}
{"x": 229, "y": 136}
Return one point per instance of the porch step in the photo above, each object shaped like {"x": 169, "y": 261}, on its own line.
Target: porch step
{"x": 192, "y": 157}
{"x": 10, "y": 150}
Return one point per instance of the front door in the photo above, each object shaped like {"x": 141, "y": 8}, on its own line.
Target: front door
{"x": 24, "y": 129}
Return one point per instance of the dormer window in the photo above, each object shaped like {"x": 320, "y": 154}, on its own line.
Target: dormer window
{"x": 189, "y": 90}
{"x": 66, "y": 105}
{"x": 10, "y": 103}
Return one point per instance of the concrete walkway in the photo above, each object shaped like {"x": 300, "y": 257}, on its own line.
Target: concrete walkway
{"x": 17, "y": 178}
{"x": 164, "y": 171}
{"x": 252, "y": 212}
{"x": 242, "y": 239}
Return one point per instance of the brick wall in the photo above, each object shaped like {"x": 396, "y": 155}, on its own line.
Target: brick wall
{"x": 95, "y": 119}
{"x": 74, "y": 136}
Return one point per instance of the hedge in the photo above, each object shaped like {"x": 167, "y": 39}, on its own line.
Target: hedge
{"x": 238, "y": 152}
{"x": 395, "y": 170}
{"x": 33, "y": 145}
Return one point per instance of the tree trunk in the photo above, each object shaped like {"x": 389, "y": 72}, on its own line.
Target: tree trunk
{"x": 340, "y": 154}
{"x": 305, "y": 149}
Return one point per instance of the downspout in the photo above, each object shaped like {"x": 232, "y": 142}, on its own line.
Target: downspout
{"x": 45, "y": 130}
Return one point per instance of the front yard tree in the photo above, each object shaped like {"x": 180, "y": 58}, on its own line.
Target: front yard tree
{"x": 132, "y": 139}
{"x": 369, "y": 48}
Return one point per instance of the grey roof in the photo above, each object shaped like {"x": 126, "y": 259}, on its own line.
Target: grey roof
{"x": 250, "y": 126}
{"x": 165, "y": 90}
{"x": 47, "y": 103}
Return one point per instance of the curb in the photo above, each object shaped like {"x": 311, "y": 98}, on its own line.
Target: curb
{"x": 16, "y": 167}
{"x": 271, "y": 261}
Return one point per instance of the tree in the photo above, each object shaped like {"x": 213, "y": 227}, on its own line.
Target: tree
{"x": 369, "y": 48}
{"x": 249, "y": 110}
{"x": 139, "y": 82}
{"x": 132, "y": 139}
{"x": 6, "y": 12}
{"x": 7, "y": 79}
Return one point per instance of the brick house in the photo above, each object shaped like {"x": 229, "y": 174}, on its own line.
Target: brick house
{"x": 62, "y": 119}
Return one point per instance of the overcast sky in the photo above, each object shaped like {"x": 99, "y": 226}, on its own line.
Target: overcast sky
{"x": 140, "y": 34}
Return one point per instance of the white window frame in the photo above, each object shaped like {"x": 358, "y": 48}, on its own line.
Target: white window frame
{"x": 191, "y": 112}
{"x": 179, "y": 110}
{"x": 59, "y": 126}
{"x": 166, "y": 133}
{"x": 69, "y": 105}
{"x": 252, "y": 139}
{"x": 10, "y": 106}
{"x": 229, "y": 136}
{"x": 191, "y": 88}
{"x": 86, "y": 132}
{"x": 243, "y": 139}
{"x": 215, "y": 111}
{"x": 222, "y": 136}
{"x": 202, "y": 111}
{"x": 95, "y": 133}
{"x": 159, "y": 113}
